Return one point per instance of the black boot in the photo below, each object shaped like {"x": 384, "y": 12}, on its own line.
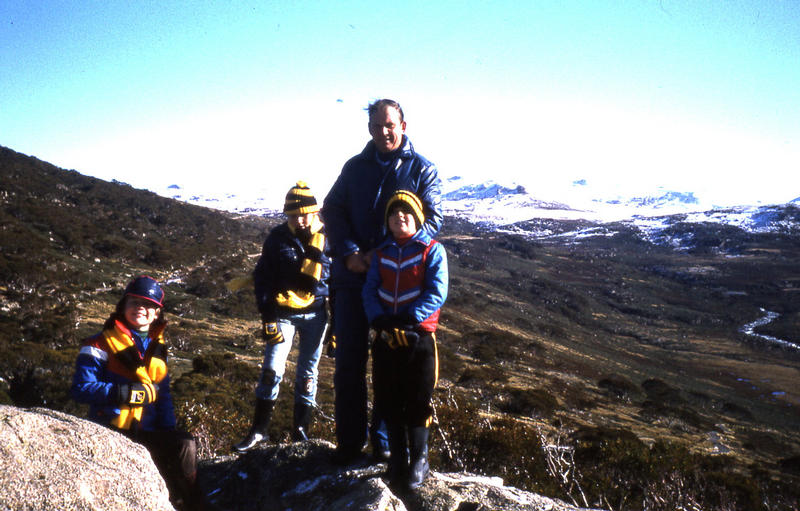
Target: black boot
{"x": 258, "y": 431}
{"x": 397, "y": 471}
{"x": 302, "y": 421}
{"x": 418, "y": 436}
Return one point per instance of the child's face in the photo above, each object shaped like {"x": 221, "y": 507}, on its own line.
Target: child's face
{"x": 401, "y": 222}
{"x": 140, "y": 313}
{"x": 299, "y": 222}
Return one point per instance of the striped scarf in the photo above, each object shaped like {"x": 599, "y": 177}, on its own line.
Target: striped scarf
{"x": 152, "y": 368}
{"x": 310, "y": 270}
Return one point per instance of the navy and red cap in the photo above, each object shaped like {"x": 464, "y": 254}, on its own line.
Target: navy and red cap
{"x": 147, "y": 288}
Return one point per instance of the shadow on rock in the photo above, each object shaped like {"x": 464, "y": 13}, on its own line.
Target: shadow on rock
{"x": 303, "y": 477}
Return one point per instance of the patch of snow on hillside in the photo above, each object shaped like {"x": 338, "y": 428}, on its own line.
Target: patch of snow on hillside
{"x": 254, "y": 201}
{"x": 506, "y": 203}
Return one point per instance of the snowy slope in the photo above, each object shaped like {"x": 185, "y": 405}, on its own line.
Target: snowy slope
{"x": 502, "y": 204}
{"x": 510, "y": 207}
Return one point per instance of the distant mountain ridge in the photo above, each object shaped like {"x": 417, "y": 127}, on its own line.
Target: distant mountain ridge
{"x": 511, "y": 207}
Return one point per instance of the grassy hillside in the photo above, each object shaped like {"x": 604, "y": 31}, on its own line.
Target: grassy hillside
{"x": 608, "y": 371}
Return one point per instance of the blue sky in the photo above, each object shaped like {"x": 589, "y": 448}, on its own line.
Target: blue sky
{"x": 628, "y": 95}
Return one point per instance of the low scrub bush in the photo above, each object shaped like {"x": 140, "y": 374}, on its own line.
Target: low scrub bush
{"x": 662, "y": 392}
{"x": 529, "y": 402}
{"x": 490, "y": 346}
{"x": 480, "y": 376}
{"x": 619, "y": 386}
{"x": 496, "y": 446}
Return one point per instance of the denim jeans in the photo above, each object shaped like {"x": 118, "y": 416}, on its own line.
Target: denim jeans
{"x": 311, "y": 330}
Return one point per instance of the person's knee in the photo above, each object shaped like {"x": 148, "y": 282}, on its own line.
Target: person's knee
{"x": 187, "y": 443}
{"x": 306, "y": 387}
{"x": 269, "y": 378}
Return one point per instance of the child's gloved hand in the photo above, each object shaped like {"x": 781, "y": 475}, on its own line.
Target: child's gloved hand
{"x": 405, "y": 321}
{"x": 399, "y": 338}
{"x": 383, "y": 322}
{"x": 136, "y": 394}
{"x": 271, "y": 333}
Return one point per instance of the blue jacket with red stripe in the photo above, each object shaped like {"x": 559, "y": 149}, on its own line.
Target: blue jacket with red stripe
{"x": 409, "y": 280}
{"x": 98, "y": 374}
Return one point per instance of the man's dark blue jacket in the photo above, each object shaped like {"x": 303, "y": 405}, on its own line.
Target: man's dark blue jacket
{"x": 354, "y": 209}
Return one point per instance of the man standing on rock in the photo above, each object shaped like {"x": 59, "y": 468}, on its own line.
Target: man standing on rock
{"x": 353, "y": 212}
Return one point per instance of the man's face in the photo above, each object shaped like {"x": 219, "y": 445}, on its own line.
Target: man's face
{"x": 387, "y": 129}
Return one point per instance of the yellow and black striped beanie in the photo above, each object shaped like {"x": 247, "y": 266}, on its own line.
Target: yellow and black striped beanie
{"x": 409, "y": 199}
{"x": 300, "y": 200}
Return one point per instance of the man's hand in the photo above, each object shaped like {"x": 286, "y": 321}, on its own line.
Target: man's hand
{"x": 356, "y": 263}
{"x": 271, "y": 333}
{"x": 330, "y": 342}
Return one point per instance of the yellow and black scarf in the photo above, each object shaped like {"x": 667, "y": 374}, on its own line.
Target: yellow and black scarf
{"x": 310, "y": 270}
{"x": 152, "y": 368}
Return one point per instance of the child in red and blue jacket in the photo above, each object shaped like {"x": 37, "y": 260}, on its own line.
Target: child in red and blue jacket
{"x": 405, "y": 288}
{"x": 121, "y": 373}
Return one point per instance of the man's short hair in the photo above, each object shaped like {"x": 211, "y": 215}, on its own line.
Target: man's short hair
{"x": 375, "y": 106}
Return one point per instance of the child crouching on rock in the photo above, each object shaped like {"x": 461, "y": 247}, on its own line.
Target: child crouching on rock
{"x": 121, "y": 373}
{"x": 405, "y": 288}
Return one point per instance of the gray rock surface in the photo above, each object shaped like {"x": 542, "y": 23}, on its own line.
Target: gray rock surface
{"x": 298, "y": 476}
{"x": 54, "y": 461}
{"x": 302, "y": 477}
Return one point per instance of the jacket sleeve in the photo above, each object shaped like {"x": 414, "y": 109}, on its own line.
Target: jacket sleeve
{"x": 434, "y": 292}
{"x": 164, "y": 407}
{"x": 369, "y": 293}
{"x": 263, "y": 279}
{"x": 336, "y": 215}
{"x": 88, "y": 383}
{"x": 430, "y": 193}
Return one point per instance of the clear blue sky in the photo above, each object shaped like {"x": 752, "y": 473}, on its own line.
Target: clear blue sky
{"x": 690, "y": 95}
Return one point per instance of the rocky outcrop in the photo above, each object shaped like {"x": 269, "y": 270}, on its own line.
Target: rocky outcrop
{"x": 54, "y": 461}
{"x": 302, "y": 477}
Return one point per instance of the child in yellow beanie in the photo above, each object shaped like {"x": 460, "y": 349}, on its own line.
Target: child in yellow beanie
{"x": 406, "y": 287}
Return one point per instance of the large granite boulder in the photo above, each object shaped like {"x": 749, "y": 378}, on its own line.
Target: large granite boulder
{"x": 53, "y": 461}
{"x": 302, "y": 477}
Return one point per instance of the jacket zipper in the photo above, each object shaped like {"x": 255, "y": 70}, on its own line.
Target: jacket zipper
{"x": 397, "y": 277}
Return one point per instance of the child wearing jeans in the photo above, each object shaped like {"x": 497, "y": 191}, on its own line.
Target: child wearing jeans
{"x": 291, "y": 287}
{"x": 405, "y": 288}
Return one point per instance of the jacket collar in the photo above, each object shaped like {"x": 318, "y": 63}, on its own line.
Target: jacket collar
{"x": 421, "y": 237}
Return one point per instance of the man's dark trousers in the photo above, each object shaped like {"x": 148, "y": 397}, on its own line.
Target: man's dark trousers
{"x": 350, "y": 383}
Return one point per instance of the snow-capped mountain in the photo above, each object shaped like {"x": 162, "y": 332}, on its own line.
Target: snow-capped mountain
{"x": 508, "y": 207}
{"x": 511, "y": 207}
{"x": 503, "y": 204}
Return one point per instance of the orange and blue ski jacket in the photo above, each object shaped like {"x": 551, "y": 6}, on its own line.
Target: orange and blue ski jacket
{"x": 409, "y": 280}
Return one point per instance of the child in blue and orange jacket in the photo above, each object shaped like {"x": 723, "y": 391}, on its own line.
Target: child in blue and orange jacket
{"x": 121, "y": 373}
{"x": 405, "y": 289}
